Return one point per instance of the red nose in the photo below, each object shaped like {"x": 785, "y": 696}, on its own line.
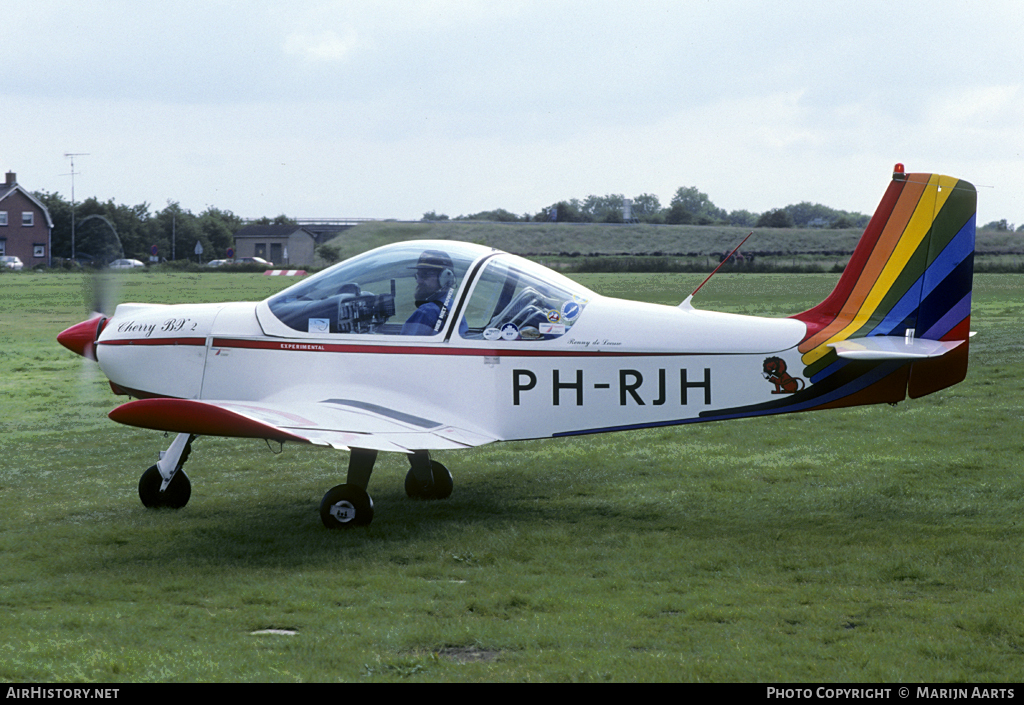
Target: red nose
{"x": 81, "y": 337}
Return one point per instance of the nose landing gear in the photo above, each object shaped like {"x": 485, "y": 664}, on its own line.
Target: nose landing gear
{"x": 165, "y": 484}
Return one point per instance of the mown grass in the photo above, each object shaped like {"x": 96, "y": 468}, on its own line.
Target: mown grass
{"x": 870, "y": 544}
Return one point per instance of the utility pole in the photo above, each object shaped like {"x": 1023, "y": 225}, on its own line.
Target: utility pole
{"x": 72, "y": 156}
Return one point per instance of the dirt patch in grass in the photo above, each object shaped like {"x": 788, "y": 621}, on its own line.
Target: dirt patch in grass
{"x": 468, "y": 654}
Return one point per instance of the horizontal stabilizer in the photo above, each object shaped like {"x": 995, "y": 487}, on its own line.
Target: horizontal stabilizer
{"x": 892, "y": 347}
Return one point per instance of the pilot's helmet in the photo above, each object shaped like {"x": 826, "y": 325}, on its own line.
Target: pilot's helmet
{"x": 437, "y": 262}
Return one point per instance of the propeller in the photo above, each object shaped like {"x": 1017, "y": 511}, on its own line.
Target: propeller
{"x": 100, "y": 290}
{"x": 81, "y": 337}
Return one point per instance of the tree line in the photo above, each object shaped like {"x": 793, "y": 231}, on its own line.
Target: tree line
{"x": 120, "y": 230}
{"x": 107, "y": 230}
{"x": 689, "y": 206}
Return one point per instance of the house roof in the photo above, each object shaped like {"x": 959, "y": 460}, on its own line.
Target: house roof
{"x": 271, "y": 231}
{"x": 278, "y": 232}
{"x": 7, "y": 189}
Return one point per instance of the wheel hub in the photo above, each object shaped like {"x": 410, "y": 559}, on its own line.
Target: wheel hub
{"x": 343, "y": 511}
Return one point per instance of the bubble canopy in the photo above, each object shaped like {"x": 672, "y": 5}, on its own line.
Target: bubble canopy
{"x": 415, "y": 288}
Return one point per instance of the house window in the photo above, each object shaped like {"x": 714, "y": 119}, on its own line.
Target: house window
{"x": 260, "y": 250}
{"x": 27, "y": 218}
{"x": 3, "y": 247}
{"x": 3, "y": 218}
{"x": 38, "y": 250}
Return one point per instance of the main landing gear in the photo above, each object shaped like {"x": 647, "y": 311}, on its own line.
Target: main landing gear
{"x": 349, "y": 505}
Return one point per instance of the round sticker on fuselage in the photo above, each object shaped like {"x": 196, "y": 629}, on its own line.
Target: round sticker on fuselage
{"x": 570, "y": 309}
{"x": 510, "y": 331}
{"x": 492, "y": 334}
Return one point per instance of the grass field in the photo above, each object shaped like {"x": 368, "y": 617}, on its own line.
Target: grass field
{"x": 869, "y": 544}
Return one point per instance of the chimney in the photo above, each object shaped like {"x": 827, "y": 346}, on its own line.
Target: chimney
{"x": 12, "y": 179}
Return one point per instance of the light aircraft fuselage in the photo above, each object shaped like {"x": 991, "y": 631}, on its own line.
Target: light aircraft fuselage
{"x": 430, "y": 345}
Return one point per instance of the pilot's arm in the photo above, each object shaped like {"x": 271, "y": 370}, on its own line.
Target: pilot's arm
{"x": 423, "y": 320}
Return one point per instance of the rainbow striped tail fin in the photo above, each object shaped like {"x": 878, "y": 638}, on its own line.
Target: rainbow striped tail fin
{"x": 904, "y": 297}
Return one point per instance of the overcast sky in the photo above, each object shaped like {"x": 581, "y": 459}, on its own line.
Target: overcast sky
{"x": 390, "y": 109}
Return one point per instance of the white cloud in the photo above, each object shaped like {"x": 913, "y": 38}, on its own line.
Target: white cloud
{"x": 326, "y": 45}
{"x": 396, "y": 107}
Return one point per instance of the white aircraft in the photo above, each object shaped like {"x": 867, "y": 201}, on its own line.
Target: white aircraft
{"x": 422, "y": 346}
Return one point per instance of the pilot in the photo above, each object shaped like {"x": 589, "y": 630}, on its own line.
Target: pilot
{"x": 435, "y": 287}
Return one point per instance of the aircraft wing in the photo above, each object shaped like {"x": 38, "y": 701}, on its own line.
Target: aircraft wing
{"x": 338, "y": 423}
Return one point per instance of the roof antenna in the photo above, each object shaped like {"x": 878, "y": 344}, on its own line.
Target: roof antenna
{"x": 686, "y": 303}
{"x": 73, "y": 174}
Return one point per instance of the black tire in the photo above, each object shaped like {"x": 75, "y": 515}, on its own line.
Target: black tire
{"x": 440, "y": 489}
{"x": 346, "y": 506}
{"x": 175, "y": 496}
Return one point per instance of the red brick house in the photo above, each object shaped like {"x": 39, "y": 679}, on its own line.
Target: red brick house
{"x": 25, "y": 224}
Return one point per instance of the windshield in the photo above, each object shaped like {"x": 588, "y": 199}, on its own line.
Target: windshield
{"x": 516, "y": 299}
{"x": 402, "y": 289}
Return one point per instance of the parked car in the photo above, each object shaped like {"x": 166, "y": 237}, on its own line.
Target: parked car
{"x": 12, "y": 262}
{"x": 254, "y": 260}
{"x": 218, "y": 262}
{"x": 126, "y": 264}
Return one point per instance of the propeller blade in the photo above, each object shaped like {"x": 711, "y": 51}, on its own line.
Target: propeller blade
{"x": 101, "y": 291}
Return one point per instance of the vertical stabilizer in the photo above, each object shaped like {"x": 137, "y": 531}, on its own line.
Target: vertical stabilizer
{"x": 910, "y": 276}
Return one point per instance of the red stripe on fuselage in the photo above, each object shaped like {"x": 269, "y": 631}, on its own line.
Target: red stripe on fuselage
{"x": 297, "y": 346}
{"x": 154, "y": 341}
{"x": 443, "y": 349}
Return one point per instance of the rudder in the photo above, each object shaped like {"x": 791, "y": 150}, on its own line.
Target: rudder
{"x": 910, "y": 275}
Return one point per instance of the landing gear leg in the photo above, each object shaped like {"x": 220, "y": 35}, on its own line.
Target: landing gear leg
{"x": 349, "y": 505}
{"x": 165, "y": 484}
{"x": 427, "y": 479}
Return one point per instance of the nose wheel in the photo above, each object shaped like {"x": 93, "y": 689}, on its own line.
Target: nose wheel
{"x": 165, "y": 484}
{"x": 175, "y": 496}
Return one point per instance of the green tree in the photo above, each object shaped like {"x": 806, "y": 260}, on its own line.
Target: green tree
{"x": 218, "y": 228}
{"x": 647, "y": 208}
{"x": 499, "y": 215}
{"x": 842, "y": 222}
{"x": 96, "y": 236}
{"x": 678, "y": 214}
{"x": 175, "y": 231}
{"x": 804, "y": 213}
{"x": 778, "y": 218}
{"x": 130, "y": 222}
{"x": 603, "y": 209}
{"x": 742, "y": 218}
{"x": 698, "y": 204}
{"x": 279, "y": 220}
{"x": 563, "y": 212}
